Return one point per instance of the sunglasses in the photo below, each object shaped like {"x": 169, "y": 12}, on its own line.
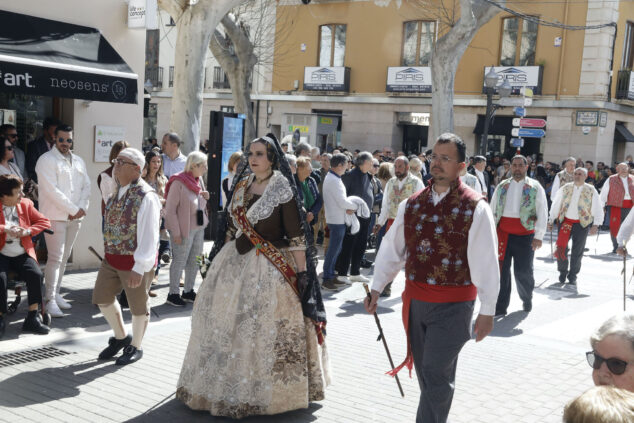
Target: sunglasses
{"x": 70, "y": 141}
{"x": 8, "y": 147}
{"x": 615, "y": 366}
{"x": 12, "y": 135}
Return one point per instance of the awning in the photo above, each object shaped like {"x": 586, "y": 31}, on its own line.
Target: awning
{"x": 622, "y": 134}
{"x": 57, "y": 59}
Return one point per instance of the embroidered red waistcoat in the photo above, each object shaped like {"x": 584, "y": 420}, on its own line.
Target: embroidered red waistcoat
{"x": 616, "y": 195}
{"x": 436, "y": 237}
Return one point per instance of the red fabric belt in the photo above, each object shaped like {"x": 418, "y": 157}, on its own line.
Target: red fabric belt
{"x": 388, "y": 224}
{"x": 431, "y": 294}
{"x": 563, "y": 237}
{"x": 615, "y": 217}
{"x": 120, "y": 261}
{"x": 509, "y": 226}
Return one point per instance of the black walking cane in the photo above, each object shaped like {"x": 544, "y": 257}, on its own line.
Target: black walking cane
{"x": 92, "y": 250}
{"x": 382, "y": 338}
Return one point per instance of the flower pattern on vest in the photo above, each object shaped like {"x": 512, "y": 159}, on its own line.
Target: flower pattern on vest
{"x": 528, "y": 204}
{"x": 565, "y": 177}
{"x": 396, "y": 195}
{"x": 120, "y": 223}
{"x": 616, "y": 194}
{"x": 436, "y": 236}
{"x": 584, "y": 207}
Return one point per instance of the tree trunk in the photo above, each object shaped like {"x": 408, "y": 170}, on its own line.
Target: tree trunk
{"x": 448, "y": 51}
{"x": 195, "y": 26}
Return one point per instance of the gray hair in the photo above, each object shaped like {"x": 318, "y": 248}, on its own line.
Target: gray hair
{"x": 193, "y": 159}
{"x": 621, "y": 325}
{"x": 415, "y": 164}
{"x": 403, "y": 159}
{"x": 302, "y": 147}
{"x": 571, "y": 159}
{"x": 292, "y": 160}
{"x": 363, "y": 157}
{"x": 173, "y": 138}
{"x": 584, "y": 170}
{"x": 338, "y": 159}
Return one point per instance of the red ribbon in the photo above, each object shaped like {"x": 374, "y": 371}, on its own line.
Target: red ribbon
{"x": 615, "y": 217}
{"x": 563, "y": 237}
{"x": 509, "y": 226}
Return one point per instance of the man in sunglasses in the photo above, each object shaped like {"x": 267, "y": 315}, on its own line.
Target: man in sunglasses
{"x": 64, "y": 191}
{"x": 11, "y": 133}
{"x": 612, "y": 355}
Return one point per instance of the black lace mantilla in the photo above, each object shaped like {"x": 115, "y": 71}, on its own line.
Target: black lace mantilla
{"x": 312, "y": 303}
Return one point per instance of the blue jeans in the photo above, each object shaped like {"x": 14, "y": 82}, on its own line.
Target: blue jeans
{"x": 337, "y": 232}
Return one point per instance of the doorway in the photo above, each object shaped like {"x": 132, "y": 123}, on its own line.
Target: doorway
{"x": 414, "y": 139}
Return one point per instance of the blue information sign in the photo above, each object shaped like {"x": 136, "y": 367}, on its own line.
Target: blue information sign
{"x": 528, "y": 132}
{"x": 519, "y": 111}
{"x": 231, "y": 141}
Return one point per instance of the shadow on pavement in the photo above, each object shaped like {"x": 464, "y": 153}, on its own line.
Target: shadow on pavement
{"x": 506, "y": 326}
{"x": 54, "y": 383}
{"x": 171, "y": 410}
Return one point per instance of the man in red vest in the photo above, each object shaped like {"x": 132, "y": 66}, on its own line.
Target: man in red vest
{"x": 445, "y": 237}
{"x": 617, "y": 194}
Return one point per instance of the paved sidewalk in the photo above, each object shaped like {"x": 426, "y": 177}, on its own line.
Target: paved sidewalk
{"x": 526, "y": 371}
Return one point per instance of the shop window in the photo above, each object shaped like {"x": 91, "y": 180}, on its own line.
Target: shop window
{"x": 332, "y": 45}
{"x": 628, "y": 50}
{"x": 171, "y": 77}
{"x": 519, "y": 39}
{"x": 418, "y": 42}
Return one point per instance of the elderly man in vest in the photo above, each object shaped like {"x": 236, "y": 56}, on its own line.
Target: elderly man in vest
{"x": 521, "y": 213}
{"x": 131, "y": 237}
{"x": 445, "y": 237}
{"x": 579, "y": 210}
{"x": 398, "y": 189}
{"x": 564, "y": 177}
{"x": 618, "y": 193}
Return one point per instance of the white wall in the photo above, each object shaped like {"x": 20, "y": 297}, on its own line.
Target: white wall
{"x": 110, "y": 17}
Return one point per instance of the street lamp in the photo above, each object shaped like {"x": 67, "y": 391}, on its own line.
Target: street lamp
{"x": 490, "y": 81}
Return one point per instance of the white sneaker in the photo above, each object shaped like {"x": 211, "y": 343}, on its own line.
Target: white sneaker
{"x": 62, "y": 303}
{"x": 53, "y": 309}
{"x": 358, "y": 278}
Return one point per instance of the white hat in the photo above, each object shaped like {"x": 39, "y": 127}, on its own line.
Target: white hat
{"x": 135, "y": 155}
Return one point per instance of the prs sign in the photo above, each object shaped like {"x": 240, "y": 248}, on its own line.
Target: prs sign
{"x": 518, "y": 77}
{"x": 324, "y": 78}
{"x": 408, "y": 79}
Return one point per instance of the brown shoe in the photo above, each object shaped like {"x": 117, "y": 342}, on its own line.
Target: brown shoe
{"x": 152, "y": 294}
{"x": 329, "y": 285}
{"x": 155, "y": 280}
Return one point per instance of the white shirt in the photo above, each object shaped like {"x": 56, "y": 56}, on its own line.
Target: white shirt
{"x": 385, "y": 204}
{"x": 335, "y": 199}
{"x": 13, "y": 247}
{"x": 573, "y": 207}
{"x": 606, "y": 190}
{"x": 64, "y": 184}
{"x": 108, "y": 186}
{"x": 483, "y": 183}
{"x": 172, "y": 167}
{"x": 514, "y": 200}
{"x": 147, "y": 235}
{"x": 555, "y": 186}
{"x": 482, "y": 253}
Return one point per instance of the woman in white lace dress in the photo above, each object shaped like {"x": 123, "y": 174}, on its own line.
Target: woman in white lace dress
{"x": 257, "y": 343}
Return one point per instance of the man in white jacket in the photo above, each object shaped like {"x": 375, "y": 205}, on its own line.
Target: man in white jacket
{"x": 64, "y": 188}
{"x": 336, "y": 204}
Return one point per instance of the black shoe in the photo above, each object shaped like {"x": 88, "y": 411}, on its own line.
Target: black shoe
{"x": 114, "y": 346}
{"x": 527, "y": 306}
{"x": 329, "y": 285}
{"x": 366, "y": 264}
{"x": 500, "y": 314}
{"x": 175, "y": 300}
{"x": 3, "y": 326}
{"x": 129, "y": 356}
{"x": 387, "y": 291}
{"x": 123, "y": 300}
{"x": 34, "y": 325}
{"x": 189, "y": 297}
{"x": 166, "y": 258}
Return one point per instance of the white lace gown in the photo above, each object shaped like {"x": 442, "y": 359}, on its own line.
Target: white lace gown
{"x": 251, "y": 350}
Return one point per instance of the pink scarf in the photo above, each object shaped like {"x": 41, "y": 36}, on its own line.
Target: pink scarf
{"x": 187, "y": 179}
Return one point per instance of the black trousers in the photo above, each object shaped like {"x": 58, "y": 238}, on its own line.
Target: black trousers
{"x": 28, "y": 271}
{"x": 353, "y": 249}
{"x": 519, "y": 250}
{"x": 624, "y": 213}
{"x": 578, "y": 235}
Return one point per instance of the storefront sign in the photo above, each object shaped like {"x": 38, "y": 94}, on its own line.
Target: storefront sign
{"x": 587, "y": 118}
{"x": 327, "y": 79}
{"x": 136, "y": 13}
{"x": 518, "y": 77}
{"x": 293, "y": 128}
{"x": 408, "y": 79}
{"x": 420, "y": 119}
{"x": 105, "y": 137}
{"x": 603, "y": 119}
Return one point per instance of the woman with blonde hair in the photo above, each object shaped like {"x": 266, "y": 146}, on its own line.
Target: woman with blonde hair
{"x": 385, "y": 173}
{"x": 186, "y": 219}
{"x": 601, "y": 404}
{"x": 228, "y": 180}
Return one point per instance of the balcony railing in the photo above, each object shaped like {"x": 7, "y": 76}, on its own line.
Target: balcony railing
{"x": 625, "y": 85}
{"x": 155, "y": 76}
{"x": 221, "y": 82}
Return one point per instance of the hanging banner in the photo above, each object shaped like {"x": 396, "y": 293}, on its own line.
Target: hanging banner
{"x": 136, "y": 13}
{"x": 408, "y": 79}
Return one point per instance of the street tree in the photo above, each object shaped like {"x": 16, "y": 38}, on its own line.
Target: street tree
{"x": 195, "y": 23}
